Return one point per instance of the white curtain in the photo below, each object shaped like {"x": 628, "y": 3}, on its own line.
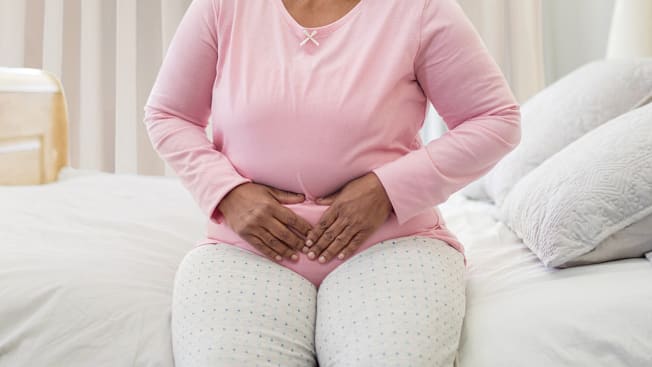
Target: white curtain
{"x": 631, "y": 30}
{"x": 107, "y": 54}
{"x": 513, "y": 33}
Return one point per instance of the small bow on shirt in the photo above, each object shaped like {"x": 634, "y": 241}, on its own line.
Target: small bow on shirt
{"x": 309, "y": 37}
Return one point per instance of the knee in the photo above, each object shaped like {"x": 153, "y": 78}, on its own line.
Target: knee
{"x": 387, "y": 347}
{"x": 370, "y": 356}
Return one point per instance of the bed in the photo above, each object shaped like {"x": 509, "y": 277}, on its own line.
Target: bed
{"x": 87, "y": 263}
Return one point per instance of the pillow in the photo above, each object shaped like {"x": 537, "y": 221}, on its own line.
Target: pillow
{"x": 568, "y": 109}
{"x": 476, "y": 191}
{"x": 592, "y": 201}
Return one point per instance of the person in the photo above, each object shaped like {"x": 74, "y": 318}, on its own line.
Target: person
{"x": 324, "y": 244}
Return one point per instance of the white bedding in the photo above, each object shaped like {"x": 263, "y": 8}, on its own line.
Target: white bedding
{"x": 520, "y": 313}
{"x": 86, "y": 269}
{"x": 87, "y": 266}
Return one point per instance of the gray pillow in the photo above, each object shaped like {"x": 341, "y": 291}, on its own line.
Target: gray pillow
{"x": 592, "y": 201}
{"x": 566, "y": 110}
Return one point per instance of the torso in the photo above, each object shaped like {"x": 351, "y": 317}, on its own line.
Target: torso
{"x": 308, "y": 117}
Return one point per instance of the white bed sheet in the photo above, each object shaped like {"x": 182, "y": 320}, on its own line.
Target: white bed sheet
{"x": 87, "y": 266}
{"x": 520, "y": 313}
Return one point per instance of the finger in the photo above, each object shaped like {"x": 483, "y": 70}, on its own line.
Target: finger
{"x": 281, "y": 248}
{"x": 262, "y": 247}
{"x": 353, "y": 246}
{"x": 339, "y": 243}
{"x": 286, "y": 197}
{"x": 289, "y": 218}
{"x": 326, "y": 238}
{"x": 326, "y": 220}
{"x": 328, "y": 200}
{"x": 283, "y": 233}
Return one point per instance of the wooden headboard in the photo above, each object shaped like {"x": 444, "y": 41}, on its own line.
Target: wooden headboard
{"x": 33, "y": 127}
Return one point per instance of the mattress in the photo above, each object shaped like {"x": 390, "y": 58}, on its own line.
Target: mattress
{"x": 87, "y": 266}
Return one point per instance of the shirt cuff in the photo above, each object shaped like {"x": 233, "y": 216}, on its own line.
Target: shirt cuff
{"x": 216, "y": 215}
{"x": 410, "y": 183}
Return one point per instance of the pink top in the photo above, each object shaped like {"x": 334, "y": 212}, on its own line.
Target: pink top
{"x": 307, "y": 114}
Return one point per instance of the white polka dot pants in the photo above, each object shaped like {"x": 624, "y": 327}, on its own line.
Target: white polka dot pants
{"x": 398, "y": 303}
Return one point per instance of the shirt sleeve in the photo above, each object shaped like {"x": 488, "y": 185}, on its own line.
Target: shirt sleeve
{"x": 470, "y": 93}
{"x": 179, "y": 106}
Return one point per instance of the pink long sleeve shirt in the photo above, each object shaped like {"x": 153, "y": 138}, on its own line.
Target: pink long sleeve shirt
{"x": 308, "y": 109}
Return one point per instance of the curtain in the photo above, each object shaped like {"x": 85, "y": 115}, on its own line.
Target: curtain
{"x": 631, "y": 30}
{"x": 107, "y": 54}
{"x": 513, "y": 33}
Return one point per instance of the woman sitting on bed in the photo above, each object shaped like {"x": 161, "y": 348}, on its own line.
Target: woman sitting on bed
{"x": 324, "y": 244}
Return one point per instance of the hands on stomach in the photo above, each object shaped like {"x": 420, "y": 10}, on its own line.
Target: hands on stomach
{"x": 255, "y": 212}
{"x": 356, "y": 211}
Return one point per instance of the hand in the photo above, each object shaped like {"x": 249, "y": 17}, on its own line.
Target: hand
{"x": 255, "y": 213}
{"x": 355, "y": 212}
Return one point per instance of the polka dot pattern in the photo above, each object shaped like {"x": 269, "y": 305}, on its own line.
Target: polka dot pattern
{"x": 231, "y": 307}
{"x": 399, "y": 303}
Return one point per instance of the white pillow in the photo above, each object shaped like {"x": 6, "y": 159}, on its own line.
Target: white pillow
{"x": 560, "y": 114}
{"x": 592, "y": 201}
{"x": 476, "y": 191}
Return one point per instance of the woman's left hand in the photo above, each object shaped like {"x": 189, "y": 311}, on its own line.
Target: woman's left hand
{"x": 355, "y": 212}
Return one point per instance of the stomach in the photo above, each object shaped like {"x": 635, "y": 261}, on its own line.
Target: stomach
{"x": 317, "y": 145}
{"x": 313, "y": 165}
{"x": 426, "y": 224}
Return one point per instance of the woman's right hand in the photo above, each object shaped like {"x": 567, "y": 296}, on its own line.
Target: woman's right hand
{"x": 255, "y": 213}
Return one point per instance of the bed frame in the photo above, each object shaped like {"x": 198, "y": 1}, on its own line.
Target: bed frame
{"x": 33, "y": 127}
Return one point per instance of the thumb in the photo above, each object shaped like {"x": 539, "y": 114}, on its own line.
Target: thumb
{"x": 327, "y": 200}
{"x": 286, "y": 197}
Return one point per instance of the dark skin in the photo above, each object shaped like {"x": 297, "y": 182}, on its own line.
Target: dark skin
{"x": 356, "y": 210}
{"x": 255, "y": 212}
{"x": 316, "y": 13}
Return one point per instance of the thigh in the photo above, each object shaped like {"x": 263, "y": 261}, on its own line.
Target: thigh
{"x": 231, "y": 307}
{"x": 401, "y": 302}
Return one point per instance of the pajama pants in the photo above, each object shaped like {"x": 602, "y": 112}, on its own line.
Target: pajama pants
{"x": 400, "y": 302}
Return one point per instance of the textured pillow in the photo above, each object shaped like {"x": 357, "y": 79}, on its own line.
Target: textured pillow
{"x": 568, "y": 109}
{"x": 592, "y": 201}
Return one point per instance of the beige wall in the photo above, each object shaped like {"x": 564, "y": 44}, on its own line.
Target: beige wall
{"x": 575, "y": 32}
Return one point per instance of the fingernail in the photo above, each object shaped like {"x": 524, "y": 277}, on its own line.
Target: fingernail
{"x": 322, "y": 259}
{"x": 308, "y": 242}
{"x": 311, "y": 255}
{"x": 340, "y": 256}
{"x": 278, "y": 258}
{"x": 294, "y": 257}
{"x": 305, "y": 250}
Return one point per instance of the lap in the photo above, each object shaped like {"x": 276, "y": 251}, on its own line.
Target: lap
{"x": 234, "y": 308}
{"x": 398, "y": 303}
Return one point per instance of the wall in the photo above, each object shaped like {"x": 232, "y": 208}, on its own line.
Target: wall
{"x": 575, "y": 32}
